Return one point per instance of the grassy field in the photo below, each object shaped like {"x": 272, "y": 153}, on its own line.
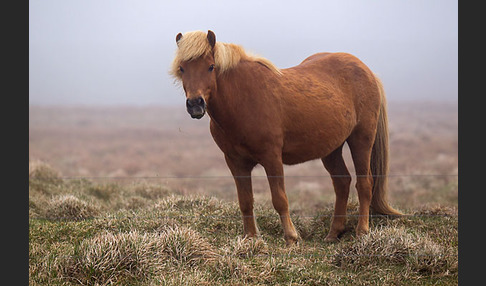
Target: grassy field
{"x": 142, "y": 196}
{"x": 145, "y": 234}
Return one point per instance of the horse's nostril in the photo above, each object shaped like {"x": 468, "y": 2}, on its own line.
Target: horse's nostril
{"x": 195, "y": 102}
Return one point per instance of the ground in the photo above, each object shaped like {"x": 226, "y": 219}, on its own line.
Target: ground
{"x": 140, "y": 186}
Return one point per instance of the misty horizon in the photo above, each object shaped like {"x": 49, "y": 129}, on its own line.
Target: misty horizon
{"x": 119, "y": 52}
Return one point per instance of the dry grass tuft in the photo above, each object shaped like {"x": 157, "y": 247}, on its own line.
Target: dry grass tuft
{"x": 69, "y": 207}
{"x": 436, "y": 210}
{"x": 188, "y": 203}
{"x": 395, "y": 246}
{"x": 111, "y": 258}
{"x": 135, "y": 256}
{"x": 245, "y": 247}
{"x": 228, "y": 267}
{"x": 186, "y": 247}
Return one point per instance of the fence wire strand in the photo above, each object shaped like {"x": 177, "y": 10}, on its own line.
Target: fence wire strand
{"x": 243, "y": 177}
{"x": 317, "y": 216}
{"x": 231, "y": 177}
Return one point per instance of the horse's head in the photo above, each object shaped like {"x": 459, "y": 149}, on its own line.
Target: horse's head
{"x": 195, "y": 67}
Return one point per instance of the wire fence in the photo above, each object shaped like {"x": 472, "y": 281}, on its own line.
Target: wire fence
{"x": 165, "y": 217}
{"x": 231, "y": 177}
{"x": 219, "y": 177}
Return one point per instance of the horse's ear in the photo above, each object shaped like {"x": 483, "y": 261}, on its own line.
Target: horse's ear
{"x": 211, "y": 38}
{"x": 178, "y": 37}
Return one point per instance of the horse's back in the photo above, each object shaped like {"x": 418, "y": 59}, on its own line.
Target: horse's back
{"x": 326, "y": 96}
{"x": 335, "y": 63}
{"x": 315, "y": 57}
{"x": 345, "y": 73}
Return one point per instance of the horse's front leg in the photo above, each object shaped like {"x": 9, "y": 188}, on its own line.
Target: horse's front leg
{"x": 275, "y": 175}
{"x": 241, "y": 170}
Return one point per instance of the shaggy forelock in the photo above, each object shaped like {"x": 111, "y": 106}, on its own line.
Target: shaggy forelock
{"x": 195, "y": 44}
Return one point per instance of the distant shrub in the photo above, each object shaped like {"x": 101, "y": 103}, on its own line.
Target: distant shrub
{"x": 150, "y": 191}
{"x": 396, "y": 246}
{"x": 43, "y": 179}
{"x": 39, "y": 170}
{"x": 33, "y": 208}
{"x": 69, "y": 207}
{"x": 135, "y": 203}
{"x": 104, "y": 191}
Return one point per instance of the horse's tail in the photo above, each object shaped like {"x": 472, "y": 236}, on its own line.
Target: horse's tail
{"x": 379, "y": 160}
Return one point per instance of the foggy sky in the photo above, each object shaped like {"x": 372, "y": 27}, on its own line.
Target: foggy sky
{"x": 118, "y": 52}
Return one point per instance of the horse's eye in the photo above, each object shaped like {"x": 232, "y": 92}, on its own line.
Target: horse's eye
{"x": 181, "y": 69}
{"x": 211, "y": 68}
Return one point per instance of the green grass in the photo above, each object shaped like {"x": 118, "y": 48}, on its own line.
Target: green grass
{"x": 88, "y": 233}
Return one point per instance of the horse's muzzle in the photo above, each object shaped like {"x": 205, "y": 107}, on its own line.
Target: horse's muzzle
{"x": 196, "y": 107}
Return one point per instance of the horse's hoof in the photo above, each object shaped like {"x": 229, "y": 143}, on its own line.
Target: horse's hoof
{"x": 331, "y": 238}
{"x": 361, "y": 232}
{"x": 291, "y": 241}
{"x": 251, "y": 236}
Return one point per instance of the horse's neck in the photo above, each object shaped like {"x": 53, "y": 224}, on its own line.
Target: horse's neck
{"x": 222, "y": 106}
{"x": 239, "y": 90}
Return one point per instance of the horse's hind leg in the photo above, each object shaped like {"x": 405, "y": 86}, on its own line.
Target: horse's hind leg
{"x": 360, "y": 143}
{"x": 241, "y": 170}
{"x": 341, "y": 180}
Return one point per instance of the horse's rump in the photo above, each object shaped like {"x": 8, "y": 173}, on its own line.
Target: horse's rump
{"x": 322, "y": 102}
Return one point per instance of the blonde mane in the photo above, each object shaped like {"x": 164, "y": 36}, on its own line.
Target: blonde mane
{"x": 226, "y": 56}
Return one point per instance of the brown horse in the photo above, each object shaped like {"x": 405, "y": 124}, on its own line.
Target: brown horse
{"x": 264, "y": 115}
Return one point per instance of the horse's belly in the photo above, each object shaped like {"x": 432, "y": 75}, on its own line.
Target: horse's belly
{"x": 296, "y": 158}
{"x": 301, "y": 146}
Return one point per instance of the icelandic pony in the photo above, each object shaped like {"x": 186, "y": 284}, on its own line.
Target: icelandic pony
{"x": 261, "y": 114}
